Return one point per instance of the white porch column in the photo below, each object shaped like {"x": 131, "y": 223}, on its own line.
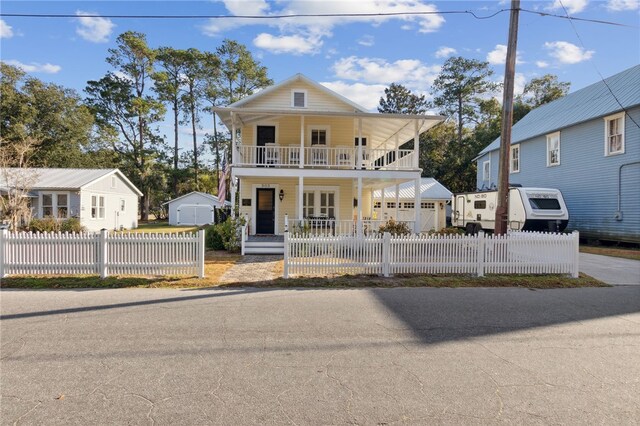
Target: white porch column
{"x": 436, "y": 217}
{"x": 234, "y": 155}
{"x": 371, "y": 206}
{"x": 416, "y": 145}
{"x": 301, "y": 157}
{"x": 397, "y": 201}
{"x": 397, "y": 153}
{"x": 360, "y": 157}
{"x": 383, "y": 205}
{"x": 300, "y": 198}
{"x": 416, "y": 207}
{"x": 359, "y": 223}
{"x": 232, "y": 188}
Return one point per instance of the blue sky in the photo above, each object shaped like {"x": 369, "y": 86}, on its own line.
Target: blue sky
{"x": 356, "y": 56}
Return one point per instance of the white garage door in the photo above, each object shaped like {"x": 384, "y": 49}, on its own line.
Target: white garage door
{"x": 427, "y": 215}
{"x": 195, "y": 215}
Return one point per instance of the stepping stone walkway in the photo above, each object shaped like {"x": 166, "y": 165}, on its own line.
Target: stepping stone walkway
{"x": 253, "y": 268}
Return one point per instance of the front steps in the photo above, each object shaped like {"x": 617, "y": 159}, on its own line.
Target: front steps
{"x": 264, "y": 245}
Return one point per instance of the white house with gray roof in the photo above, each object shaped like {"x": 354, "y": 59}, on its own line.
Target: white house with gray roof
{"x": 100, "y": 198}
{"x": 587, "y": 144}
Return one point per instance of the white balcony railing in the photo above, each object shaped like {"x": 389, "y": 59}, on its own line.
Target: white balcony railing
{"x": 328, "y": 157}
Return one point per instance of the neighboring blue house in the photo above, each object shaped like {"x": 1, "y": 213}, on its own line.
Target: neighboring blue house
{"x": 586, "y": 144}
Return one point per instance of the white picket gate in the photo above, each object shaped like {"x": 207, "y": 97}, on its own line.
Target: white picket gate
{"x": 102, "y": 253}
{"x": 515, "y": 253}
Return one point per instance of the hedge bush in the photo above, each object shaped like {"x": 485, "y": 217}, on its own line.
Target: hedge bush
{"x": 49, "y": 224}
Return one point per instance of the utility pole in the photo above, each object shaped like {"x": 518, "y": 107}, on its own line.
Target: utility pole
{"x": 502, "y": 210}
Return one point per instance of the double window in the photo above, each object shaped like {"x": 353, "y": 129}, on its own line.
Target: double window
{"x": 319, "y": 203}
{"x": 55, "y": 205}
{"x": 515, "y": 158}
{"x": 614, "y": 134}
{"x": 318, "y": 136}
{"x": 97, "y": 207}
{"x": 553, "y": 149}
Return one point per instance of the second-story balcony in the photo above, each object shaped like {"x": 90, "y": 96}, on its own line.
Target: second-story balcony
{"x": 292, "y": 156}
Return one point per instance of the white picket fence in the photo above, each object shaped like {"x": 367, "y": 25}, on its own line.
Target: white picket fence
{"x": 101, "y": 253}
{"x": 515, "y": 253}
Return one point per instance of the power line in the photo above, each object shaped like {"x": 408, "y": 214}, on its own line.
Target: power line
{"x": 575, "y": 30}
{"x": 314, "y": 15}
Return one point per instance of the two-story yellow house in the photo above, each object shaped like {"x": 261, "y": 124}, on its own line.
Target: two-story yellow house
{"x": 307, "y": 156}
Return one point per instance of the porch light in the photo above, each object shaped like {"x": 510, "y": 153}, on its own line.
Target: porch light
{"x": 281, "y": 195}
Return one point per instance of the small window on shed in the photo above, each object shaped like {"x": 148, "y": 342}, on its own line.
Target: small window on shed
{"x": 299, "y": 99}
{"x": 114, "y": 181}
{"x": 481, "y": 204}
{"x": 377, "y": 205}
{"x": 428, "y": 205}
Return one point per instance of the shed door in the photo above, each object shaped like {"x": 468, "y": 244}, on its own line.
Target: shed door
{"x": 195, "y": 215}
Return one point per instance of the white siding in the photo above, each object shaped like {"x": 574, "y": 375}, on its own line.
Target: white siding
{"x": 188, "y": 200}
{"x": 114, "y": 218}
{"x": 317, "y": 100}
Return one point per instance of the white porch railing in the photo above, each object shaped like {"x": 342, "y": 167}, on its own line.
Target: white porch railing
{"x": 329, "y": 157}
{"x": 515, "y": 253}
{"x": 103, "y": 254}
{"x": 332, "y": 227}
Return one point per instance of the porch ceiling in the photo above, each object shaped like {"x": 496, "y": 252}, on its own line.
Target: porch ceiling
{"x": 381, "y": 129}
{"x": 367, "y": 182}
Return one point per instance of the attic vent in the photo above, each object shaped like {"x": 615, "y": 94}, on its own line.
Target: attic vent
{"x": 299, "y": 99}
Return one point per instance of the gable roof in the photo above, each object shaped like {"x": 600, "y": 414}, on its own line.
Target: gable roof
{"x": 295, "y": 78}
{"x": 430, "y": 189}
{"x": 582, "y": 105}
{"x": 203, "y": 194}
{"x": 69, "y": 179}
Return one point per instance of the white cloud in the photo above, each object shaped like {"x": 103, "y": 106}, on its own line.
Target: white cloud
{"x": 542, "y": 64}
{"x": 321, "y": 27}
{"x": 445, "y": 52}
{"x": 35, "y": 67}
{"x": 499, "y": 55}
{"x": 366, "y": 40}
{"x": 519, "y": 82}
{"x": 620, "y": 5}
{"x": 6, "y": 31}
{"x": 95, "y": 30}
{"x": 572, "y": 6}
{"x": 295, "y": 44}
{"x": 567, "y": 53}
{"x": 410, "y": 72}
{"x": 367, "y": 95}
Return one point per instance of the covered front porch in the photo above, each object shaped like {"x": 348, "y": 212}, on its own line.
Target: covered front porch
{"x": 340, "y": 205}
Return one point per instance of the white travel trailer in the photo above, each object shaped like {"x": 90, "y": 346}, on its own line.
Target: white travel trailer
{"x": 530, "y": 209}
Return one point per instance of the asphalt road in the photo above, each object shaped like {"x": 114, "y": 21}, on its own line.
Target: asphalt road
{"x": 365, "y": 356}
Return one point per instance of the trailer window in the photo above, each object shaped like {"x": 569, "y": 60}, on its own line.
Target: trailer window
{"x": 480, "y": 204}
{"x": 544, "y": 203}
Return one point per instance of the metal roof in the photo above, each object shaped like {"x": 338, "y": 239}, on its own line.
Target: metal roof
{"x": 585, "y": 104}
{"x": 430, "y": 189}
{"x": 202, "y": 194}
{"x": 70, "y": 179}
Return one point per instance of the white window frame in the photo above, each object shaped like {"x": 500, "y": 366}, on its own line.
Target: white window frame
{"x": 326, "y": 128}
{"x": 100, "y": 208}
{"x": 514, "y": 148}
{"x": 607, "y": 121}
{"x": 54, "y": 204}
{"x": 486, "y": 170}
{"x": 316, "y": 197}
{"x": 550, "y": 137}
{"x": 114, "y": 180}
{"x": 293, "y": 97}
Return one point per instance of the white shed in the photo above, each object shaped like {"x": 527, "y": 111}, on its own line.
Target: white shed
{"x": 194, "y": 208}
{"x": 433, "y": 200}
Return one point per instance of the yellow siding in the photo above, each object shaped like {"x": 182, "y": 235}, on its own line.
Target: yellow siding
{"x": 341, "y": 130}
{"x": 289, "y": 204}
{"x": 317, "y": 100}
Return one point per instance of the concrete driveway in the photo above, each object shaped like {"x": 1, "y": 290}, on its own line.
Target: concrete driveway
{"x": 611, "y": 270}
{"x": 363, "y": 356}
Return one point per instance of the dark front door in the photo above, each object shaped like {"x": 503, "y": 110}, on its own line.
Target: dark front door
{"x": 265, "y": 210}
{"x": 264, "y": 135}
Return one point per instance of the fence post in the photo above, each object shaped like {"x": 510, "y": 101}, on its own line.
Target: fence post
{"x": 201, "y": 253}
{"x": 386, "y": 253}
{"x": 103, "y": 253}
{"x": 286, "y": 222}
{"x": 575, "y": 268}
{"x": 3, "y": 251}
{"x": 242, "y": 239}
{"x": 285, "y": 273}
{"x": 481, "y": 253}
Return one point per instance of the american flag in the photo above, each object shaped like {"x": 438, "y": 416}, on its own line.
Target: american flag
{"x": 222, "y": 185}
